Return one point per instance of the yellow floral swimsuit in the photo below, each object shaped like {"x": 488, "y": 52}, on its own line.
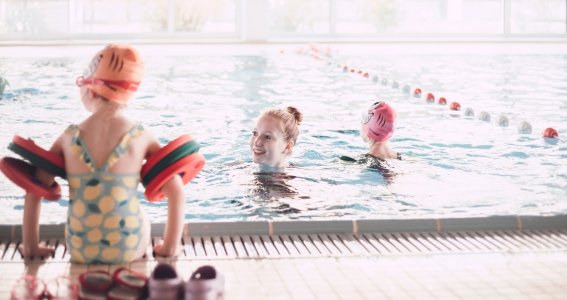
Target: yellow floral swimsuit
{"x": 104, "y": 220}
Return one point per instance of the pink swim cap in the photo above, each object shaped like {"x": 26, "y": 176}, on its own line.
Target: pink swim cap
{"x": 378, "y": 123}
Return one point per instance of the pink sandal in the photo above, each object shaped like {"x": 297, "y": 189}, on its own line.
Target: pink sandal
{"x": 31, "y": 287}
{"x": 94, "y": 285}
{"x": 122, "y": 284}
{"x": 62, "y": 287}
{"x": 28, "y": 287}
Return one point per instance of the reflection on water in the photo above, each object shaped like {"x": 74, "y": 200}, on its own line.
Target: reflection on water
{"x": 275, "y": 190}
{"x": 383, "y": 167}
{"x": 273, "y": 185}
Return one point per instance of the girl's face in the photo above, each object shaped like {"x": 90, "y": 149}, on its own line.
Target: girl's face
{"x": 268, "y": 143}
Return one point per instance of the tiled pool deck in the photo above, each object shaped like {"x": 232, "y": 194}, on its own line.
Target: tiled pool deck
{"x": 488, "y": 258}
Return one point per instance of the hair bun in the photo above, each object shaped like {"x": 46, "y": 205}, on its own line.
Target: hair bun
{"x": 296, "y": 114}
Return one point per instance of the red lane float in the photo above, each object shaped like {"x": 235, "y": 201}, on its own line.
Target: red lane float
{"x": 455, "y": 106}
{"x": 442, "y": 101}
{"x": 417, "y": 93}
{"x": 550, "y": 133}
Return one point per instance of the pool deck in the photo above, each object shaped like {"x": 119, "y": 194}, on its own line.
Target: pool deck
{"x": 506, "y": 257}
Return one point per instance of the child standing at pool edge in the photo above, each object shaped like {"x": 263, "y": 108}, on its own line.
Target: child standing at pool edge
{"x": 274, "y": 136}
{"x": 103, "y": 158}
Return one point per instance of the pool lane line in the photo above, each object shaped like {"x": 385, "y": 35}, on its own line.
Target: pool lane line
{"x": 524, "y": 127}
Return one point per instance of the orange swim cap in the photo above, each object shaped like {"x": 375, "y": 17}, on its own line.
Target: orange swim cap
{"x": 115, "y": 73}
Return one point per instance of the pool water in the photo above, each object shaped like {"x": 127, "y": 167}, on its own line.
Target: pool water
{"x": 455, "y": 165}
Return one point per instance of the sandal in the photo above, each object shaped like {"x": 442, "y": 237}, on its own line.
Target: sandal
{"x": 164, "y": 284}
{"x": 206, "y": 283}
{"x": 31, "y": 287}
{"x": 28, "y": 287}
{"x": 122, "y": 284}
{"x": 94, "y": 285}
{"x": 62, "y": 287}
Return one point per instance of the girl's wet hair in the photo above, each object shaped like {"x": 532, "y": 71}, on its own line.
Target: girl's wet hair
{"x": 291, "y": 118}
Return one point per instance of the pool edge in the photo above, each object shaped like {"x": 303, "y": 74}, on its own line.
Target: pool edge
{"x": 13, "y": 231}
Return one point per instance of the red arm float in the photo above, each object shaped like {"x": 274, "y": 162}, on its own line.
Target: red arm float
{"x": 23, "y": 175}
{"x": 179, "y": 157}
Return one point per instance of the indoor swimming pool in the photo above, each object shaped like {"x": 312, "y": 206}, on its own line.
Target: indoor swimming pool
{"x": 455, "y": 165}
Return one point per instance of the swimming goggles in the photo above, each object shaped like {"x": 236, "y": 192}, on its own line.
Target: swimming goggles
{"x": 125, "y": 85}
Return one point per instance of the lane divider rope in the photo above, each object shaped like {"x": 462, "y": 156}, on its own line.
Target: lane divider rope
{"x": 524, "y": 127}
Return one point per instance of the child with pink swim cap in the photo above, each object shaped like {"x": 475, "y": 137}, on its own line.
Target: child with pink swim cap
{"x": 377, "y": 126}
{"x": 103, "y": 157}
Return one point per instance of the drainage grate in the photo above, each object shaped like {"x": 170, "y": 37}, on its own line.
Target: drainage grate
{"x": 338, "y": 245}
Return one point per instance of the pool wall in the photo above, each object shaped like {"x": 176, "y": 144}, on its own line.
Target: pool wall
{"x": 517, "y": 223}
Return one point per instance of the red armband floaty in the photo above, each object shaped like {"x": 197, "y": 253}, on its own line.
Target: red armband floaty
{"x": 179, "y": 157}
{"x": 23, "y": 173}
{"x": 38, "y": 157}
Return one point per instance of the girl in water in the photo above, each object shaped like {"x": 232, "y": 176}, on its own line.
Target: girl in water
{"x": 377, "y": 126}
{"x": 274, "y": 136}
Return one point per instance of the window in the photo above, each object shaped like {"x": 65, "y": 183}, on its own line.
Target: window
{"x": 299, "y": 16}
{"x": 542, "y": 16}
{"x": 109, "y": 16}
{"x": 264, "y": 20}
{"x": 205, "y": 16}
{"x": 367, "y": 17}
{"x": 33, "y": 17}
{"x": 415, "y": 17}
{"x": 91, "y": 17}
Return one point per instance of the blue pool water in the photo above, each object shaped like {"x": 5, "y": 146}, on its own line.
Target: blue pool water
{"x": 457, "y": 165}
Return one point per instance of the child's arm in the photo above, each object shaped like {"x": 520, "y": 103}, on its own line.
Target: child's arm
{"x": 30, "y": 226}
{"x": 30, "y": 246}
{"x": 170, "y": 245}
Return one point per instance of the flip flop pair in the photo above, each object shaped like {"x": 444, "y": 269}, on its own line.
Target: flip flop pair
{"x": 121, "y": 285}
{"x": 31, "y": 287}
{"x": 205, "y": 283}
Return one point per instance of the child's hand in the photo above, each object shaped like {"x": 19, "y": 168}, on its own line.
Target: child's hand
{"x": 37, "y": 251}
{"x": 160, "y": 249}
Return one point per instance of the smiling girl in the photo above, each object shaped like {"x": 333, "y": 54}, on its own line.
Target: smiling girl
{"x": 274, "y": 136}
